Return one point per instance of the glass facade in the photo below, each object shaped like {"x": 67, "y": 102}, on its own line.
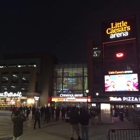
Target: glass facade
{"x": 70, "y": 79}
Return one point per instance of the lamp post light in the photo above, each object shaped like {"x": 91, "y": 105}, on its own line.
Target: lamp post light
{"x": 98, "y": 107}
{"x": 97, "y": 94}
{"x": 87, "y": 91}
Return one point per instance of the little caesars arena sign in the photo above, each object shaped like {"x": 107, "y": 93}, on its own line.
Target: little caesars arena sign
{"x": 118, "y": 29}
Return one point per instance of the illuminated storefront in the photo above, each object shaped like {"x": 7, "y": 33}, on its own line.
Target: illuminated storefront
{"x": 70, "y": 83}
{"x": 8, "y": 99}
{"x": 62, "y": 99}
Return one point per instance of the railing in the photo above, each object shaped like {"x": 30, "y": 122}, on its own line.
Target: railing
{"x": 124, "y": 134}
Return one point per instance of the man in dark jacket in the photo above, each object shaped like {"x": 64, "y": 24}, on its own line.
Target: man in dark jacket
{"x": 37, "y": 118}
{"x": 74, "y": 120}
{"x": 84, "y": 121}
{"x": 18, "y": 120}
{"x": 47, "y": 114}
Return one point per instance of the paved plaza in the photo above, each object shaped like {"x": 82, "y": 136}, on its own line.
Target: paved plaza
{"x": 56, "y": 130}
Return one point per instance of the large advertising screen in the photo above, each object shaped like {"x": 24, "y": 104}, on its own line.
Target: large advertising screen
{"x": 121, "y": 82}
{"x": 119, "y": 29}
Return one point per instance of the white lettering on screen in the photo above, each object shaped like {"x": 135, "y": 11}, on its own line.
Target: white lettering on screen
{"x": 11, "y": 94}
{"x": 71, "y": 95}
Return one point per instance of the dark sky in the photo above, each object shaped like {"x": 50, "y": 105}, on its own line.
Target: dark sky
{"x": 58, "y": 27}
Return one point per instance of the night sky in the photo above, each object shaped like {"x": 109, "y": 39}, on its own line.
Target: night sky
{"x": 61, "y": 28}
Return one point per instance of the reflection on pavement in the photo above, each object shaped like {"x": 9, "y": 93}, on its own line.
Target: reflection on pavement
{"x": 8, "y": 138}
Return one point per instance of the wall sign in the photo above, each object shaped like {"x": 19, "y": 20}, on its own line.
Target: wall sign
{"x": 120, "y": 72}
{"x": 124, "y": 99}
{"x": 71, "y": 95}
{"x": 10, "y": 94}
{"x": 118, "y": 29}
{"x": 36, "y": 98}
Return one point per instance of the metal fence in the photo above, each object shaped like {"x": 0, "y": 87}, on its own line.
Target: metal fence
{"x": 124, "y": 134}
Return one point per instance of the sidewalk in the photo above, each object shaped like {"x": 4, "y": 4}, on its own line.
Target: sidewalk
{"x": 59, "y": 130}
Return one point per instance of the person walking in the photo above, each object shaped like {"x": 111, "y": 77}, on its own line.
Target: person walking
{"x": 37, "y": 118}
{"x": 84, "y": 121}
{"x": 92, "y": 115}
{"x": 42, "y": 111}
{"x": 47, "y": 114}
{"x": 74, "y": 120}
{"x": 63, "y": 113}
{"x": 18, "y": 120}
{"x": 33, "y": 111}
{"x": 13, "y": 110}
{"x": 27, "y": 112}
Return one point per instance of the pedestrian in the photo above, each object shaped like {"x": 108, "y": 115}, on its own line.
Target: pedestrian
{"x": 84, "y": 121}
{"x": 63, "y": 113}
{"x": 47, "y": 114}
{"x": 37, "y": 118}
{"x": 33, "y": 111}
{"x": 13, "y": 110}
{"x": 57, "y": 113}
{"x": 18, "y": 120}
{"x": 74, "y": 120}
{"x": 42, "y": 111}
{"x": 92, "y": 116}
{"x": 27, "y": 112}
{"x": 52, "y": 112}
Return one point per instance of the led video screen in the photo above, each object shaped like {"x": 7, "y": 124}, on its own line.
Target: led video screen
{"x": 121, "y": 82}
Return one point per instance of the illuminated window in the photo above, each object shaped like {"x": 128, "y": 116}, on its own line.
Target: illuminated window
{"x": 59, "y": 83}
{"x": 26, "y": 76}
{"x": 21, "y": 65}
{"x": 97, "y": 53}
{"x": 2, "y": 66}
{"x": 14, "y": 87}
{"x": 5, "y": 77}
{"x": 24, "y": 86}
{"x": 57, "y": 72}
{"x": 12, "y": 65}
{"x": 31, "y": 65}
{"x": 4, "y": 87}
{"x": 15, "y": 77}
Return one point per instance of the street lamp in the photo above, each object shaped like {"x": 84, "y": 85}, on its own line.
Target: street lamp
{"x": 97, "y": 94}
{"x": 87, "y": 91}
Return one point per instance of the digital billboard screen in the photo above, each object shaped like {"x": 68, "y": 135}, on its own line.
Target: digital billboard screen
{"x": 121, "y": 82}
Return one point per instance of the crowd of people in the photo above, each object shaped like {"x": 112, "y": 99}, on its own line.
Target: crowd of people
{"x": 74, "y": 114}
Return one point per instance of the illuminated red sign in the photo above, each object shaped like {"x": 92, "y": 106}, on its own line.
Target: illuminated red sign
{"x": 119, "y": 55}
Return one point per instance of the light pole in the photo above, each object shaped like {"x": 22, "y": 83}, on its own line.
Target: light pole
{"x": 98, "y": 108}
{"x": 97, "y": 94}
{"x": 87, "y": 91}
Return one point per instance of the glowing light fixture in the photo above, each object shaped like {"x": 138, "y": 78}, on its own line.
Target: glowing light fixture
{"x": 119, "y": 55}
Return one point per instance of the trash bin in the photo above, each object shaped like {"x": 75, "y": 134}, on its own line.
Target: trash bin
{"x": 121, "y": 116}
